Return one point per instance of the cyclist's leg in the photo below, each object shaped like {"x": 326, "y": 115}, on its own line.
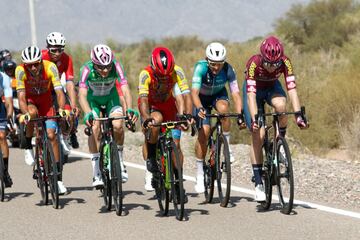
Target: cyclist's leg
{"x": 4, "y": 146}
{"x": 28, "y": 150}
{"x": 277, "y": 99}
{"x": 201, "y": 143}
{"x": 257, "y": 138}
{"x": 152, "y": 142}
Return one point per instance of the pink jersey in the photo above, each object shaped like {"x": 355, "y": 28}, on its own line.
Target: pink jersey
{"x": 258, "y": 77}
{"x": 64, "y": 64}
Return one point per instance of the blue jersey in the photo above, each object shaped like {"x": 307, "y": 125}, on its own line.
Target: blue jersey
{"x": 209, "y": 84}
{"x": 5, "y": 85}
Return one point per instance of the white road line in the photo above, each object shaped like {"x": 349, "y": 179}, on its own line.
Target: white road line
{"x": 248, "y": 191}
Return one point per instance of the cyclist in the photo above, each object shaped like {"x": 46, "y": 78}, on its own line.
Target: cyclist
{"x": 208, "y": 91}
{"x": 55, "y": 44}
{"x": 262, "y": 85}
{"x": 6, "y": 111}
{"x": 34, "y": 79}
{"x": 9, "y": 67}
{"x": 156, "y": 102}
{"x": 4, "y": 55}
{"x": 98, "y": 88}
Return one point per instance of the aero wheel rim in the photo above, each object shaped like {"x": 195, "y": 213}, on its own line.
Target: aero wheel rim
{"x": 224, "y": 171}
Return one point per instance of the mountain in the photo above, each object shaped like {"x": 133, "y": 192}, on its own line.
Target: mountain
{"x": 126, "y": 21}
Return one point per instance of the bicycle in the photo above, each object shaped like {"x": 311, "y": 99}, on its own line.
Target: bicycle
{"x": 218, "y": 165}
{"x": 109, "y": 162}
{"x": 45, "y": 171}
{"x": 169, "y": 176}
{"x": 277, "y": 166}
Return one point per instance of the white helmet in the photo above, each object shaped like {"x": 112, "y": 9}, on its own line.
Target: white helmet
{"x": 56, "y": 38}
{"x": 101, "y": 55}
{"x": 216, "y": 52}
{"x": 31, "y": 54}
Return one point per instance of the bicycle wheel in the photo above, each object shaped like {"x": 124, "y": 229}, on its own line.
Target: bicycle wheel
{"x": 116, "y": 179}
{"x": 209, "y": 175}
{"x": 2, "y": 184}
{"x": 41, "y": 178}
{"x": 285, "y": 177}
{"x": 52, "y": 174}
{"x": 223, "y": 172}
{"x": 176, "y": 179}
{"x": 267, "y": 179}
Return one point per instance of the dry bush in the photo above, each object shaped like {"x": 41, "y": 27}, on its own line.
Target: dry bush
{"x": 350, "y": 135}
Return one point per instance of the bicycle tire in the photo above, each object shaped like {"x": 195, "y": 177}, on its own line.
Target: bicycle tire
{"x": 162, "y": 194}
{"x": 2, "y": 184}
{"x": 22, "y": 136}
{"x": 52, "y": 175}
{"x": 177, "y": 184}
{"x": 116, "y": 179}
{"x": 41, "y": 178}
{"x": 267, "y": 177}
{"x": 209, "y": 175}
{"x": 285, "y": 177}
{"x": 223, "y": 168}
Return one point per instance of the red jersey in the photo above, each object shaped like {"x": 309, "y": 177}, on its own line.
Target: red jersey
{"x": 64, "y": 64}
{"x": 258, "y": 77}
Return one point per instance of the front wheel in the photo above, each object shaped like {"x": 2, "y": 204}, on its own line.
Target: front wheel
{"x": 267, "y": 179}
{"x": 176, "y": 178}
{"x": 209, "y": 176}
{"x": 223, "y": 171}
{"x": 116, "y": 179}
{"x": 285, "y": 176}
{"x": 40, "y": 175}
{"x": 52, "y": 174}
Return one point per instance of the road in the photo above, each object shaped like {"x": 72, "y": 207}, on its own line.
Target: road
{"x": 82, "y": 216}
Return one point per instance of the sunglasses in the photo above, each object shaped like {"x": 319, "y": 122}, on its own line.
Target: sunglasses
{"x": 275, "y": 64}
{"x": 35, "y": 64}
{"x": 54, "y": 50}
{"x": 103, "y": 67}
{"x": 214, "y": 64}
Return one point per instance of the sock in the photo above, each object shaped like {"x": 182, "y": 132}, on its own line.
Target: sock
{"x": 120, "y": 151}
{"x": 227, "y": 136}
{"x": 257, "y": 169}
{"x": 151, "y": 147}
{"x": 6, "y": 163}
{"x": 95, "y": 163}
{"x": 200, "y": 167}
{"x": 282, "y": 131}
{"x": 28, "y": 143}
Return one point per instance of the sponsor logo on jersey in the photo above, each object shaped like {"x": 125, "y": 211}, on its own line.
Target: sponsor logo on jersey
{"x": 251, "y": 89}
{"x": 290, "y": 78}
{"x": 252, "y": 70}
{"x": 288, "y": 66}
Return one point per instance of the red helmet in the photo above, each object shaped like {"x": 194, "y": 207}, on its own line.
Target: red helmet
{"x": 271, "y": 49}
{"x": 162, "y": 61}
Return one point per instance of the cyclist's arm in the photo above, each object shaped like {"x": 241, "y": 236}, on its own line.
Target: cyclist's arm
{"x": 53, "y": 74}
{"x": 144, "y": 107}
{"x": 127, "y": 96}
{"x": 70, "y": 89}
{"x": 294, "y": 98}
{"x": 20, "y": 88}
{"x": 83, "y": 100}
{"x": 8, "y": 95}
{"x": 251, "y": 98}
{"x": 234, "y": 88}
{"x": 291, "y": 84}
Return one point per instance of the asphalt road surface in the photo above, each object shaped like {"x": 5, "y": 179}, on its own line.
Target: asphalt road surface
{"x": 82, "y": 216}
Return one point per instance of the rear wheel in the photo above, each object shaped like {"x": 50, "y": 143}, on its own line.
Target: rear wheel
{"x": 2, "y": 184}
{"x": 41, "y": 178}
{"x": 52, "y": 174}
{"x": 176, "y": 178}
{"x": 116, "y": 179}
{"x": 285, "y": 177}
{"x": 223, "y": 173}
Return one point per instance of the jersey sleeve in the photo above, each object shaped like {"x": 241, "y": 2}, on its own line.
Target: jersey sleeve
{"x": 20, "y": 78}
{"x": 289, "y": 74}
{"x": 7, "y": 86}
{"x": 84, "y": 73}
{"x": 70, "y": 70}
{"x": 176, "y": 90}
{"x": 231, "y": 76}
{"x": 144, "y": 82}
{"x": 118, "y": 88}
{"x": 250, "y": 76}
{"x": 121, "y": 73}
{"x": 53, "y": 74}
{"x": 197, "y": 76}
{"x": 181, "y": 80}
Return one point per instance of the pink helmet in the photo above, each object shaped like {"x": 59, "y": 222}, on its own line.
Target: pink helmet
{"x": 101, "y": 55}
{"x": 271, "y": 49}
